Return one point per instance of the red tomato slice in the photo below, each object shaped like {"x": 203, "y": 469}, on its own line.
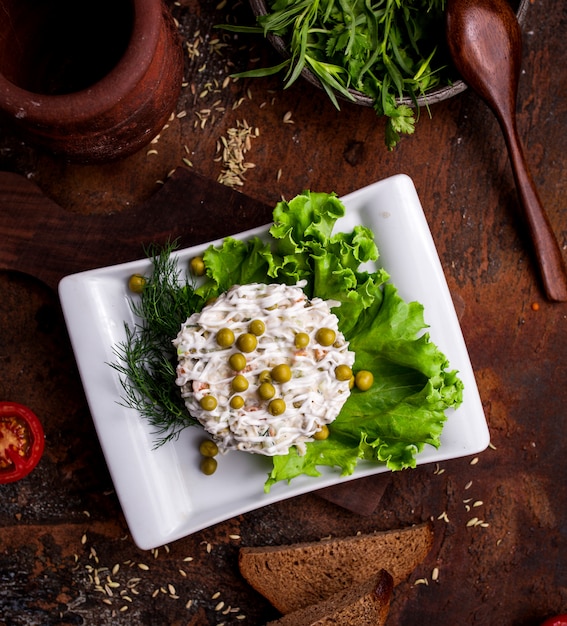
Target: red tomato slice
{"x": 21, "y": 441}
{"x": 558, "y": 620}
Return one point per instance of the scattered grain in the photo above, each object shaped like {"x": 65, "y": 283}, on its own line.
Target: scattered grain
{"x": 468, "y": 485}
{"x": 444, "y": 517}
{"x": 435, "y": 573}
{"x": 143, "y": 566}
{"x": 421, "y": 581}
{"x": 474, "y": 461}
{"x": 232, "y": 149}
{"x": 219, "y": 606}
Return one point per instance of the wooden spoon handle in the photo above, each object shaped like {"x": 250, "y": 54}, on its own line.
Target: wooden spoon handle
{"x": 546, "y": 248}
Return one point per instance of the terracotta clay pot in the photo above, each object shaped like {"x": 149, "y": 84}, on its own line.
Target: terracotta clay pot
{"x": 90, "y": 81}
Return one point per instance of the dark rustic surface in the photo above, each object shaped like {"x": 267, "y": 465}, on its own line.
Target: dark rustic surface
{"x": 62, "y": 526}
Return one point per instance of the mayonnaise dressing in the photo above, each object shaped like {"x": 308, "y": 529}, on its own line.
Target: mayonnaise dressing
{"x": 313, "y": 396}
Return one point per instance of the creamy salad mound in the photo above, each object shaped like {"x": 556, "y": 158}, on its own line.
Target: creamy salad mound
{"x": 263, "y": 368}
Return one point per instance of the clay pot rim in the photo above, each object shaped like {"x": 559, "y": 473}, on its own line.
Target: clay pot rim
{"x": 102, "y": 95}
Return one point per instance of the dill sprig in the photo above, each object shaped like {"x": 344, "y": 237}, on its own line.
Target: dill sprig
{"x": 147, "y": 358}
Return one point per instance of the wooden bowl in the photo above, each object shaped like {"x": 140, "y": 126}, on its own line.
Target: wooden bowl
{"x": 90, "y": 81}
{"x": 432, "y": 96}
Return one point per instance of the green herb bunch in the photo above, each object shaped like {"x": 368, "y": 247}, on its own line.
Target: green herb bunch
{"x": 147, "y": 359}
{"x": 384, "y": 49}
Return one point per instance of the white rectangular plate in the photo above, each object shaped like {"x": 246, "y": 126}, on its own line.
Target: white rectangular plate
{"x": 162, "y": 492}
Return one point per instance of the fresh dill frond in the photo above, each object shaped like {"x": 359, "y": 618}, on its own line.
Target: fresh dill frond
{"x": 148, "y": 380}
{"x": 167, "y": 299}
{"x": 147, "y": 358}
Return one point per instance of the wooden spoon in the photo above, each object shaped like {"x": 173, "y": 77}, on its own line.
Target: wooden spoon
{"x": 485, "y": 41}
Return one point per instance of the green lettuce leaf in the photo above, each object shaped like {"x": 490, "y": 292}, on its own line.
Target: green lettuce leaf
{"x": 405, "y": 408}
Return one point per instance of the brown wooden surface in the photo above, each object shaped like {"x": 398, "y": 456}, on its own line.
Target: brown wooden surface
{"x": 63, "y": 522}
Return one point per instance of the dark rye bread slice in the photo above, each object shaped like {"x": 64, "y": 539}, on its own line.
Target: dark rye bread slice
{"x": 367, "y": 604}
{"x": 295, "y": 576}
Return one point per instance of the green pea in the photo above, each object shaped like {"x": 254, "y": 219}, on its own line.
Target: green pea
{"x": 257, "y": 327}
{"x": 239, "y": 383}
{"x": 266, "y": 391}
{"x": 281, "y": 373}
{"x": 247, "y": 342}
{"x": 136, "y": 283}
{"x": 197, "y": 266}
{"x": 343, "y": 372}
{"x": 236, "y": 402}
{"x": 208, "y": 448}
{"x": 364, "y": 380}
{"x": 301, "y": 340}
{"x": 277, "y": 406}
{"x": 322, "y": 434}
{"x": 237, "y": 361}
{"x": 208, "y": 403}
{"x": 326, "y": 336}
{"x": 225, "y": 338}
{"x": 208, "y": 465}
{"x": 265, "y": 376}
